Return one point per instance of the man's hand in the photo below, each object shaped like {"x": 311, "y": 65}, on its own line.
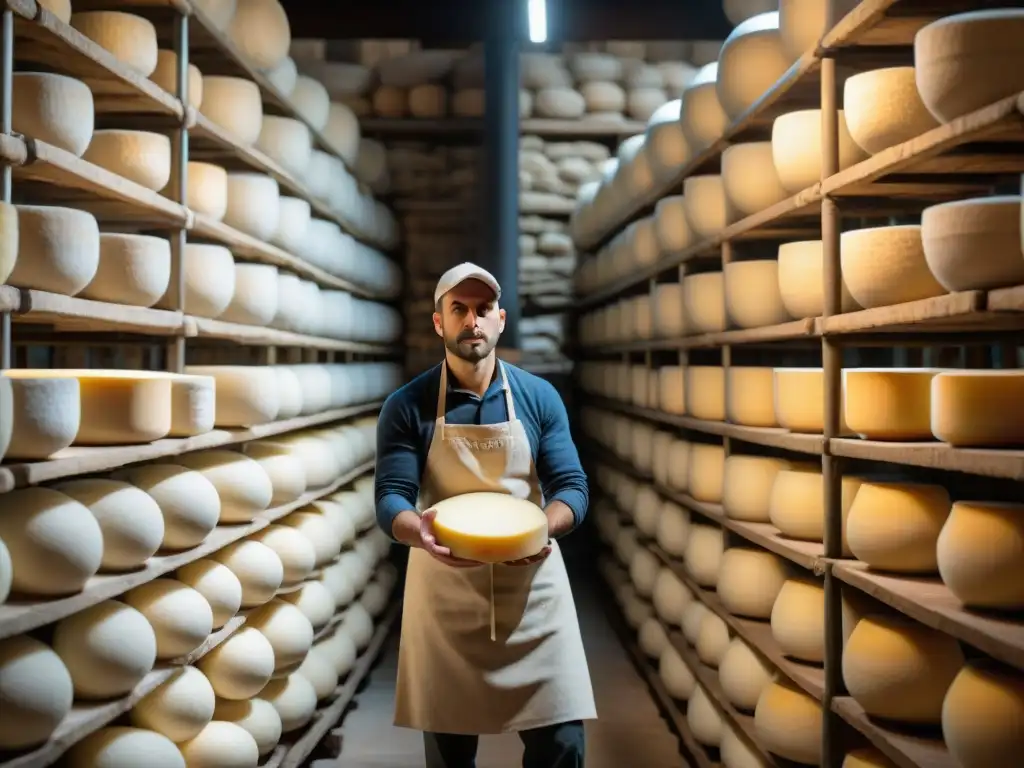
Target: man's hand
{"x": 429, "y": 542}
{"x": 539, "y": 557}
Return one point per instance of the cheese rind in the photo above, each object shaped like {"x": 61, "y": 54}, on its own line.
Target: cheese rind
{"x": 53, "y": 108}
{"x": 889, "y": 403}
{"x": 131, "y": 39}
{"x": 234, "y": 104}
{"x": 978, "y": 408}
{"x": 752, "y": 59}
{"x": 58, "y": 249}
{"x": 490, "y": 527}
{"x": 883, "y": 108}
{"x": 796, "y": 148}
{"x": 983, "y": 715}
{"x": 140, "y": 156}
{"x": 788, "y": 723}
{"x": 886, "y": 265}
{"x": 749, "y": 580}
{"x": 752, "y": 296}
{"x": 895, "y": 526}
{"x": 979, "y": 554}
{"x": 133, "y": 269}
{"x": 36, "y": 689}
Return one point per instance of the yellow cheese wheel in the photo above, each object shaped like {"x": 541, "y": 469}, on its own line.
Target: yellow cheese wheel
{"x": 749, "y": 580}
{"x": 983, "y": 715}
{"x": 749, "y": 177}
{"x": 867, "y": 757}
{"x": 673, "y": 528}
{"x": 801, "y": 280}
{"x": 798, "y": 620}
{"x": 704, "y": 551}
{"x": 797, "y": 504}
{"x": 883, "y": 108}
{"x": 679, "y": 465}
{"x": 752, "y": 296}
{"x": 693, "y": 615}
{"x": 672, "y": 389}
{"x": 704, "y": 299}
{"x": 705, "y": 205}
{"x": 788, "y": 723}
{"x": 900, "y": 670}
{"x": 980, "y": 554}
{"x": 886, "y": 265}
{"x": 895, "y": 526}
{"x": 750, "y": 396}
{"x": 751, "y": 61}
{"x": 668, "y": 310}
{"x": 704, "y": 719}
{"x": 707, "y": 470}
{"x": 800, "y": 400}
{"x": 677, "y": 677}
{"x": 131, "y": 39}
{"x": 705, "y": 392}
{"x": 743, "y": 675}
{"x": 490, "y": 527}
{"x": 747, "y": 486}
{"x": 889, "y": 403}
{"x": 670, "y": 597}
{"x": 978, "y": 408}
{"x": 796, "y": 148}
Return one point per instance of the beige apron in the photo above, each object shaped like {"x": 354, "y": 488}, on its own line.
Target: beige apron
{"x": 452, "y": 677}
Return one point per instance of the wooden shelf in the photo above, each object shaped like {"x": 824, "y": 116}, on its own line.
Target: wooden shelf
{"x": 905, "y": 749}
{"x": 414, "y": 127}
{"x": 18, "y": 616}
{"x": 80, "y": 461}
{"x": 988, "y": 462}
{"x": 585, "y": 127}
{"x": 204, "y": 328}
{"x": 796, "y": 330}
{"x": 930, "y": 602}
{"x": 69, "y": 313}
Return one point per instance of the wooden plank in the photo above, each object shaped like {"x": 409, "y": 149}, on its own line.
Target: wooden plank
{"x": 988, "y": 462}
{"x": 32, "y": 306}
{"x": 938, "y": 312}
{"x": 905, "y": 749}
{"x": 80, "y": 461}
{"x": 930, "y": 602}
{"x": 204, "y": 328}
{"x": 585, "y": 127}
{"x": 794, "y": 330}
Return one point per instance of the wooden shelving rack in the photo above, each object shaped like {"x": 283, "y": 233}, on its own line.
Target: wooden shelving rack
{"x": 962, "y": 159}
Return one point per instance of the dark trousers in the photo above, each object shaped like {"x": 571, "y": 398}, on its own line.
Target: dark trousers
{"x": 554, "y": 746}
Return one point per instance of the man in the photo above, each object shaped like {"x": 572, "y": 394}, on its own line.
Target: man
{"x": 484, "y": 650}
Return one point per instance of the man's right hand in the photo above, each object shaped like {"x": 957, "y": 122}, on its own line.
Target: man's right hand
{"x": 418, "y": 531}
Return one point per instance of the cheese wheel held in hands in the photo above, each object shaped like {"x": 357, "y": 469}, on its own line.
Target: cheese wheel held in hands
{"x": 490, "y": 527}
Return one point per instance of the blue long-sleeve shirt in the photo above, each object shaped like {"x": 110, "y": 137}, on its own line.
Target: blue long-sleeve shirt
{"x": 406, "y": 426}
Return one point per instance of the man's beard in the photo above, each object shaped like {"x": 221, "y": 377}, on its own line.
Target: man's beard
{"x": 471, "y": 353}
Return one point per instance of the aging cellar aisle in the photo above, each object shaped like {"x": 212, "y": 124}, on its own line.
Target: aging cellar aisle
{"x": 630, "y": 730}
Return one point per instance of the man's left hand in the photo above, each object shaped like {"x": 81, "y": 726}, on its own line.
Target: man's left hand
{"x": 540, "y": 556}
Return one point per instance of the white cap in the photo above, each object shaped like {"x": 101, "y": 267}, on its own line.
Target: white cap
{"x": 460, "y": 274}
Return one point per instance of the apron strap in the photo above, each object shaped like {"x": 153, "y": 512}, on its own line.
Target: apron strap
{"x": 510, "y": 406}
{"x": 442, "y": 395}
{"x": 493, "y": 620}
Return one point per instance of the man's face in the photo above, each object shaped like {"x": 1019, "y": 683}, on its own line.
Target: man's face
{"x": 470, "y": 321}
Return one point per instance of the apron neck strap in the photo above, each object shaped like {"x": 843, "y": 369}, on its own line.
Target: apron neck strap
{"x": 442, "y": 395}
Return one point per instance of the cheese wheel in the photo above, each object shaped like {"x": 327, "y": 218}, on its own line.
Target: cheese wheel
{"x": 53, "y": 108}
{"x": 704, "y": 719}
{"x": 752, "y": 296}
{"x": 749, "y": 178}
{"x": 490, "y": 527}
{"x": 673, "y": 528}
{"x": 293, "y": 226}
{"x": 468, "y": 102}
{"x": 234, "y": 104}
{"x": 6, "y": 573}
{"x": 311, "y": 101}
{"x": 676, "y": 676}
{"x": 693, "y": 616}
{"x": 704, "y": 554}
{"x": 295, "y": 550}
{"x": 747, "y": 486}
{"x": 287, "y": 142}
{"x": 750, "y": 396}
{"x": 320, "y": 531}
{"x": 166, "y": 76}
{"x": 241, "y": 666}
{"x": 257, "y": 717}
{"x": 257, "y": 567}
{"x": 218, "y": 584}
{"x": 797, "y": 505}
{"x": 9, "y": 237}
{"x": 705, "y": 205}
{"x": 982, "y": 715}
{"x": 883, "y": 108}
{"x": 886, "y": 265}
{"x": 743, "y": 675}
{"x": 736, "y": 754}
{"x": 968, "y": 60}
{"x": 796, "y": 148}
{"x": 800, "y": 400}
{"x": 889, "y": 403}
{"x": 801, "y": 280}
{"x": 36, "y": 689}
{"x": 285, "y": 471}
{"x": 707, "y": 470}
{"x": 652, "y": 638}
{"x": 752, "y": 59}
{"x": 131, "y": 39}
{"x": 895, "y": 526}
{"x": 254, "y": 299}
{"x": 977, "y": 554}
{"x": 253, "y": 204}
{"x": 670, "y": 226}
{"x": 645, "y": 512}
{"x": 289, "y": 631}
{"x": 342, "y": 132}
{"x": 670, "y": 597}
{"x": 315, "y": 601}
{"x": 221, "y": 745}
{"x": 978, "y": 408}
{"x": 246, "y": 395}
{"x": 217, "y": 13}
{"x": 738, "y": 11}
{"x": 133, "y": 270}
{"x": 712, "y": 639}
{"x": 139, "y": 156}
{"x": 179, "y": 708}
{"x": 798, "y": 620}
{"x": 179, "y": 615}
{"x": 749, "y": 580}
{"x": 207, "y": 190}
{"x": 705, "y": 392}
{"x": 259, "y": 30}
{"x": 900, "y": 670}
{"x": 788, "y": 723}
{"x": 108, "y": 648}
{"x": 121, "y": 747}
{"x": 242, "y": 484}
{"x": 703, "y": 118}
{"x": 45, "y": 415}
{"x": 704, "y": 299}
{"x": 643, "y": 572}
{"x": 58, "y": 249}
{"x": 672, "y": 389}
{"x": 667, "y": 148}
{"x": 802, "y": 22}
{"x": 318, "y": 669}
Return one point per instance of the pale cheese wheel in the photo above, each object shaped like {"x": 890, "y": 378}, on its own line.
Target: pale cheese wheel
{"x": 889, "y": 403}
{"x": 108, "y": 648}
{"x": 706, "y": 472}
{"x": 895, "y": 526}
{"x": 260, "y": 32}
{"x": 738, "y": 11}
{"x": 293, "y": 226}
{"x": 670, "y": 226}
{"x": 246, "y": 395}
{"x": 796, "y": 148}
{"x": 289, "y": 631}
{"x": 510, "y": 529}
{"x": 601, "y": 96}
{"x": 342, "y": 650}
{"x": 736, "y": 753}
{"x": 258, "y": 569}
{"x": 750, "y": 395}
{"x": 287, "y": 142}
{"x": 217, "y": 13}
{"x": 58, "y": 249}
{"x": 207, "y": 190}
{"x": 311, "y": 101}
{"x": 747, "y": 486}
{"x": 749, "y": 580}
{"x": 133, "y": 269}
{"x": 983, "y": 715}
{"x": 591, "y": 65}
{"x": 255, "y": 716}
{"x": 647, "y": 507}
{"x": 53, "y": 108}
{"x": 285, "y": 471}
{"x": 693, "y": 616}
{"x": 712, "y": 639}
{"x": 221, "y": 745}
{"x": 318, "y": 669}
{"x": 131, "y": 521}
{"x": 192, "y": 405}
{"x": 652, "y": 638}
{"x": 342, "y": 132}
{"x": 752, "y": 296}
{"x": 293, "y": 548}
{"x": 166, "y": 76}
{"x": 320, "y": 531}
{"x": 883, "y": 108}
{"x": 743, "y": 675}
{"x": 801, "y": 280}
{"x": 703, "y": 118}
{"x": 803, "y": 22}
{"x": 705, "y": 205}
{"x": 704, "y": 719}
{"x": 36, "y": 689}
{"x": 886, "y": 265}
{"x": 428, "y": 100}
{"x": 704, "y": 554}
{"x": 8, "y": 240}
{"x": 359, "y": 625}
{"x": 974, "y": 244}
{"x": 139, "y": 156}
{"x": 677, "y": 677}
{"x": 254, "y": 299}
{"x": 131, "y": 39}
{"x": 704, "y": 299}
{"x": 241, "y": 666}
{"x": 218, "y": 584}
{"x": 121, "y": 747}
{"x": 752, "y": 59}
{"x": 705, "y": 392}
{"x": 672, "y": 389}
{"x": 788, "y": 723}
{"x": 968, "y": 60}
{"x": 253, "y": 204}
{"x": 749, "y": 178}
{"x": 670, "y": 597}
{"x": 179, "y": 615}
{"x": 978, "y": 554}
{"x": 234, "y": 104}
{"x": 643, "y": 572}
{"x": 559, "y": 102}
{"x": 668, "y": 310}
{"x": 179, "y": 708}
{"x": 673, "y": 528}
{"x": 642, "y": 103}
{"x": 900, "y": 670}
{"x": 294, "y": 698}
{"x": 242, "y": 484}
{"x": 797, "y": 505}
{"x": 315, "y": 601}
{"x": 978, "y": 408}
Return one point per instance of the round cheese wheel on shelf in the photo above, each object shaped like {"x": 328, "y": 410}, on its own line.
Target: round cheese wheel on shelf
{"x": 180, "y": 708}
{"x": 703, "y": 118}
{"x": 743, "y": 675}
{"x": 866, "y": 757}
{"x": 636, "y": 609}
{"x": 796, "y": 148}
{"x": 293, "y": 224}
{"x": 889, "y": 403}
{"x": 900, "y": 670}
{"x": 704, "y": 299}
{"x": 642, "y": 103}
{"x": 749, "y": 580}
{"x": 705, "y": 392}
{"x": 318, "y": 670}
{"x": 119, "y": 407}
{"x": 797, "y": 505}
{"x": 978, "y": 554}
{"x": 221, "y": 745}
{"x": 704, "y": 554}
{"x": 788, "y": 723}
{"x": 712, "y": 639}
{"x": 978, "y": 408}
{"x": 36, "y": 689}
{"x": 253, "y": 204}
{"x": 179, "y": 615}
{"x": 246, "y": 395}
{"x": 886, "y": 265}
{"x": 749, "y": 178}
{"x": 968, "y": 60}
{"x": 800, "y": 400}
{"x": 693, "y": 616}
{"x": 121, "y": 747}
{"x": 652, "y": 638}
{"x": 883, "y": 108}
{"x": 133, "y": 270}
{"x": 293, "y": 548}
{"x": 705, "y": 205}
{"x": 53, "y": 108}
{"x": 257, "y": 567}
{"x": 166, "y": 76}
{"x": 676, "y": 676}
{"x": 315, "y": 601}
{"x": 218, "y": 584}
{"x": 672, "y": 389}
{"x": 490, "y": 527}
{"x": 58, "y": 249}
{"x": 670, "y": 226}
{"x": 390, "y": 101}
{"x": 643, "y": 572}
{"x": 670, "y": 597}
{"x": 254, "y": 299}
{"x": 736, "y": 753}
{"x": 752, "y": 296}
{"x": 673, "y": 529}
{"x": 259, "y": 30}
{"x": 207, "y": 190}
{"x": 45, "y": 415}
{"x": 319, "y": 530}
{"x": 707, "y": 470}
{"x": 704, "y": 719}
{"x": 342, "y": 650}
{"x": 255, "y": 716}
{"x": 241, "y": 666}
{"x": 752, "y": 59}
{"x": 234, "y": 104}
{"x": 241, "y": 483}
{"x": 468, "y": 102}
{"x": 645, "y": 512}
{"x": 750, "y": 396}
{"x": 895, "y": 526}
{"x": 192, "y": 405}
{"x": 287, "y": 142}
{"x": 667, "y": 148}
{"x": 285, "y": 471}
{"x": 6, "y": 573}
{"x": 801, "y": 280}
{"x": 802, "y": 22}
{"x": 139, "y": 156}
{"x": 982, "y": 715}
{"x": 738, "y": 11}
{"x": 747, "y": 486}
{"x": 289, "y": 631}
{"x": 798, "y": 618}
{"x": 131, "y": 39}
{"x": 311, "y": 101}
{"x": 108, "y": 648}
